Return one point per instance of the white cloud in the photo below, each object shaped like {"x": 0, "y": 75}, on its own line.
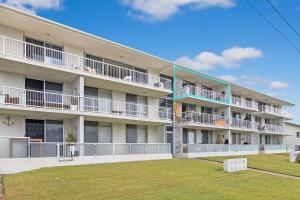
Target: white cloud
{"x": 257, "y": 81}
{"x": 159, "y": 10}
{"x": 229, "y": 58}
{"x": 229, "y": 78}
{"x": 33, "y": 5}
{"x": 278, "y": 85}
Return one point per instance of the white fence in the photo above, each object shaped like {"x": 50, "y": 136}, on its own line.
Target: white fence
{"x": 24, "y": 50}
{"x": 33, "y": 98}
{"x": 207, "y": 94}
{"x": 207, "y": 148}
{"x": 275, "y": 111}
{"x": 276, "y": 147}
{"x": 273, "y": 128}
{"x": 205, "y": 119}
{"x": 237, "y": 101}
{"x": 22, "y": 148}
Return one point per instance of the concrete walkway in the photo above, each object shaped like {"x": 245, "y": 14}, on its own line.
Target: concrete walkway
{"x": 258, "y": 170}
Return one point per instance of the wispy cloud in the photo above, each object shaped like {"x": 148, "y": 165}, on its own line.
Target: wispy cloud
{"x": 33, "y": 5}
{"x": 159, "y": 10}
{"x": 278, "y": 85}
{"x": 229, "y": 58}
{"x": 276, "y": 88}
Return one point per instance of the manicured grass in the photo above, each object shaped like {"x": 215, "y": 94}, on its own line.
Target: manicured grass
{"x": 165, "y": 179}
{"x": 271, "y": 162}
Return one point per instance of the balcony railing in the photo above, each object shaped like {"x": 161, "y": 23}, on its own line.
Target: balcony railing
{"x": 217, "y": 120}
{"x": 243, "y": 124}
{"x": 273, "y": 128}
{"x": 20, "y": 49}
{"x": 244, "y": 103}
{"x": 205, "y": 119}
{"x": 276, "y": 147}
{"x": 206, "y": 94}
{"x": 50, "y": 100}
{"x": 275, "y": 111}
{"x": 214, "y": 148}
{"x": 23, "y": 148}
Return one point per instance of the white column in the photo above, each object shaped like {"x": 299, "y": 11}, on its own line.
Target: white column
{"x": 229, "y": 139}
{"x": 79, "y": 125}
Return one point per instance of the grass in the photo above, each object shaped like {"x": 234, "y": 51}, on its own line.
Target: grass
{"x": 165, "y": 179}
{"x": 271, "y": 162}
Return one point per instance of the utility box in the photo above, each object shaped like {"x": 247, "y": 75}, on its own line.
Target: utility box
{"x": 235, "y": 165}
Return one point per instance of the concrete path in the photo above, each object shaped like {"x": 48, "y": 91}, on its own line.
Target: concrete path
{"x": 258, "y": 170}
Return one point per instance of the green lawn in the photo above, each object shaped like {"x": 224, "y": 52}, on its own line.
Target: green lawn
{"x": 165, "y": 179}
{"x": 270, "y": 162}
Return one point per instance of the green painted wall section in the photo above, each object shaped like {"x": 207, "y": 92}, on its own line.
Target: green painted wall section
{"x": 175, "y": 97}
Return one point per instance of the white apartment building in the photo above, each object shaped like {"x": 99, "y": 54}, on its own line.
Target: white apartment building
{"x": 292, "y": 135}
{"x": 65, "y": 93}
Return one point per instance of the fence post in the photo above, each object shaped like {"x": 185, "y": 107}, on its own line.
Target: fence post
{"x": 28, "y": 149}
{"x": 130, "y": 149}
{"x": 158, "y": 149}
{"x": 114, "y": 148}
{"x": 57, "y": 150}
{"x": 95, "y": 145}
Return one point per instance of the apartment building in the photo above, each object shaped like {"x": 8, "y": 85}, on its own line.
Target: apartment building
{"x": 68, "y": 94}
{"x": 292, "y": 135}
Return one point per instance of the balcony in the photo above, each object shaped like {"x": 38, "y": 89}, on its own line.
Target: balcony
{"x": 203, "y": 95}
{"x": 21, "y": 51}
{"x": 216, "y": 121}
{"x": 274, "y": 111}
{"x": 270, "y": 128}
{"x": 244, "y": 103}
{"x": 62, "y": 103}
{"x": 243, "y": 124}
{"x": 206, "y": 120}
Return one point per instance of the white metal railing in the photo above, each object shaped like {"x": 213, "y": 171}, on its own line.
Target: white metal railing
{"x": 237, "y": 101}
{"x": 207, "y": 94}
{"x": 217, "y": 120}
{"x": 24, "y": 50}
{"x": 243, "y": 124}
{"x": 275, "y": 111}
{"x": 22, "y": 147}
{"x": 33, "y": 98}
{"x": 52, "y": 149}
{"x": 210, "y": 148}
{"x": 203, "y": 118}
{"x": 273, "y": 128}
{"x": 276, "y": 147}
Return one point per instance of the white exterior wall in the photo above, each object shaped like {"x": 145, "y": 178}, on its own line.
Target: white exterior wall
{"x": 292, "y": 134}
{"x": 15, "y": 130}
{"x": 12, "y": 80}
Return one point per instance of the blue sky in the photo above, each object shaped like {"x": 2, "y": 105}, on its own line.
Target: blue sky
{"x": 225, "y": 38}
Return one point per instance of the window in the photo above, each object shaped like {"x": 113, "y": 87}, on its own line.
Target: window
{"x": 189, "y": 87}
{"x": 97, "y": 132}
{"x": 188, "y": 107}
{"x": 95, "y": 63}
{"x": 54, "y": 131}
{"x": 189, "y": 136}
{"x": 136, "y": 105}
{"x": 90, "y": 132}
{"x": 105, "y": 132}
{"x": 43, "y": 51}
{"x": 35, "y": 129}
{"x": 236, "y": 138}
{"x": 206, "y": 137}
{"x": 45, "y": 130}
{"x": 90, "y": 103}
{"x": 35, "y": 95}
{"x": 267, "y": 139}
{"x": 206, "y": 110}
{"x": 136, "y": 134}
{"x": 298, "y": 134}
